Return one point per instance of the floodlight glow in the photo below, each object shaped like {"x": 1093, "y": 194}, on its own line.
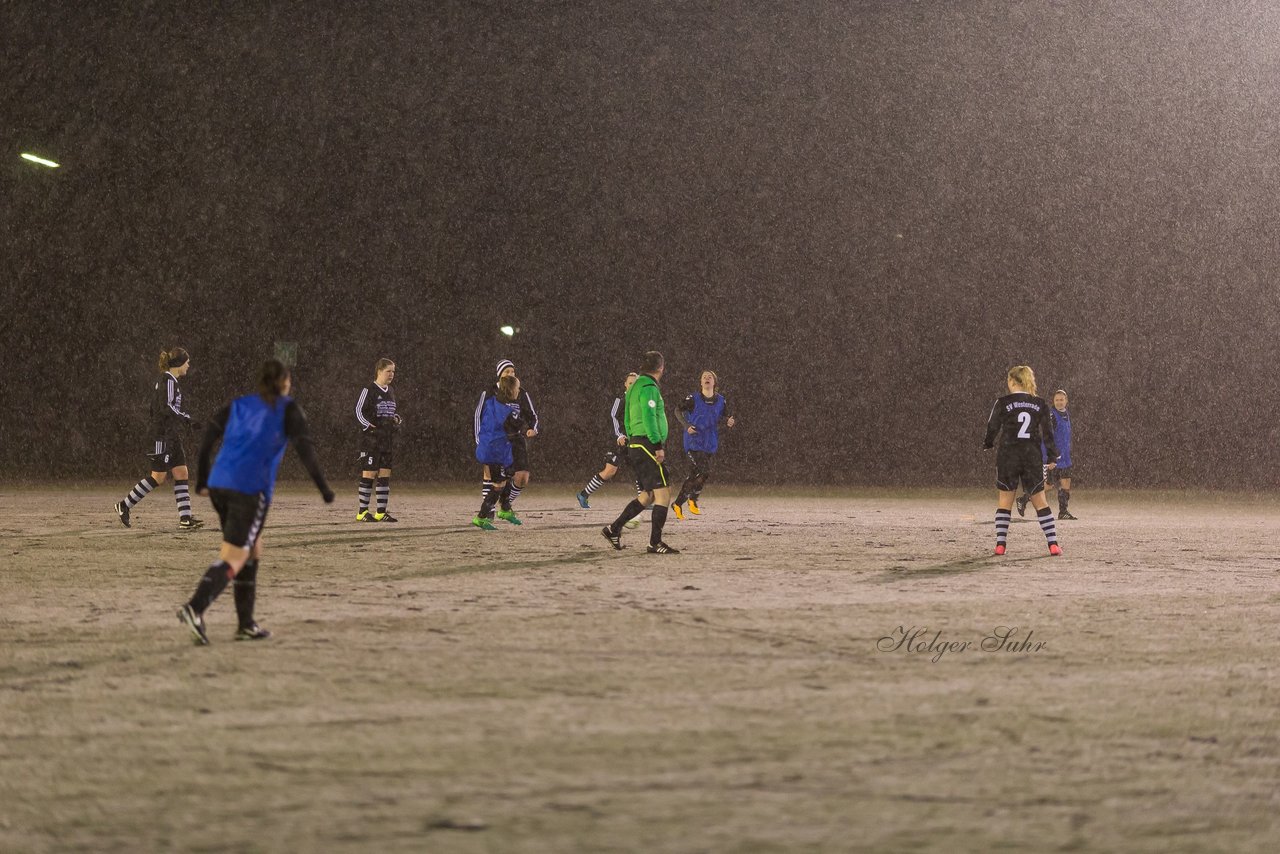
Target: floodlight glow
{"x": 39, "y": 160}
{"x": 507, "y": 330}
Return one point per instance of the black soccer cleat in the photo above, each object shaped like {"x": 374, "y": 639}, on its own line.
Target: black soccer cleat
{"x": 253, "y": 631}
{"x": 663, "y": 549}
{"x": 614, "y": 539}
{"x": 190, "y": 523}
{"x": 195, "y": 622}
{"x": 123, "y": 513}
{"x": 1022, "y": 505}
{"x": 384, "y": 517}
{"x": 1065, "y": 515}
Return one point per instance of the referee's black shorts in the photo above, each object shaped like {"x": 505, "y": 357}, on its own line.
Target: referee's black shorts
{"x": 241, "y": 515}
{"x": 650, "y": 474}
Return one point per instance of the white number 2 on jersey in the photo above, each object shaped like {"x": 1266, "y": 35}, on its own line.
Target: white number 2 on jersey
{"x": 1024, "y": 418}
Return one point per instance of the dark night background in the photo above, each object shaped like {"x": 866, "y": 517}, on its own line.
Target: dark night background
{"x": 859, "y": 214}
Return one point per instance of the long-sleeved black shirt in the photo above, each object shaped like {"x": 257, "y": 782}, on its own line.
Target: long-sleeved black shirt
{"x": 295, "y": 427}
{"x": 167, "y": 414}
{"x": 1022, "y": 421}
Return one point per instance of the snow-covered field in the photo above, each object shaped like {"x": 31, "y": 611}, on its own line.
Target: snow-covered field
{"x": 812, "y": 674}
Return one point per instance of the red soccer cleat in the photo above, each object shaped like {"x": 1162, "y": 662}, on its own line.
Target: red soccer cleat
{"x": 999, "y": 550}
{"x": 1055, "y": 549}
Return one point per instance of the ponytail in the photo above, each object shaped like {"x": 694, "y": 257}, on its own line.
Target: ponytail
{"x": 174, "y": 357}
{"x": 1023, "y": 376}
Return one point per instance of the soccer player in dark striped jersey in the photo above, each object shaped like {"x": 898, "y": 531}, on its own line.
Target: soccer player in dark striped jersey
{"x": 617, "y": 452}
{"x": 1021, "y": 420}
{"x": 164, "y": 452}
{"x": 700, "y": 415}
{"x": 254, "y": 429}
{"x": 519, "y": 446}
{"x": 376, "y": 414}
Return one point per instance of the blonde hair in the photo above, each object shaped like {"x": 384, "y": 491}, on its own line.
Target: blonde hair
{"x": 382, "y": 363}
{"x": 508, "y": 389}
{"x": 1023, "y": 376}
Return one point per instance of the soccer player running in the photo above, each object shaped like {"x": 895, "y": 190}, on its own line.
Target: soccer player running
{"x": 1022, "y": 421}
{"x": 165, "y": 454}
{"x": 254, "y": 430}
{"x": 378, "y": 420}
{"x": 614, "y": 456}
{"x": 499, "y": 423}
{"x": 519, "y": 448}
{"x": 700, "y": 416}
{"x": 646, "y": 429}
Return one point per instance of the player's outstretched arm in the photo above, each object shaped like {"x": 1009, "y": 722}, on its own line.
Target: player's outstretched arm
{"x": 295, "y": 427}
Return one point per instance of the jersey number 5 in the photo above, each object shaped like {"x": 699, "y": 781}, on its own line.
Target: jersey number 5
{"x": 1024, "y": 419}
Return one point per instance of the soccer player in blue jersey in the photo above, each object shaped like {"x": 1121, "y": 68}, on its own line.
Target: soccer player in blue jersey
{"x": 254, "y": 430}
{"x": 700, "y": 416}
{"x": 1058, "y": 475}
{"x": 498, "y": 424}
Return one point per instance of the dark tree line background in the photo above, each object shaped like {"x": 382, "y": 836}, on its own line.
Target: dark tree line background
{"x": 859, "y": 214}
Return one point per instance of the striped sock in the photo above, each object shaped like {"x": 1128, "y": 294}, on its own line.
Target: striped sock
{"x": 384, "y": 494}
{"x": 513, "y": 495}
{"x": 140, "y": 491}
{"x": 1002, "y": 525}
{"x": 182, "y": 495}
{"x": 595, "y": 484}
{"x": 485, "y": 488}
{"x": 365, "y": 491}
{"x": 1047, "y": 525}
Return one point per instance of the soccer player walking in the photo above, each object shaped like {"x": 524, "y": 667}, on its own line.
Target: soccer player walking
{"x": 700, "y": 415}
{"x": 165, "y": 453}
{"x": 646, "y": 429}
{"x": 1022, "y": 422}
{"x": 614, "y": 456}
{"x": 378, "y": 420}
{"x": 254, "y": 430}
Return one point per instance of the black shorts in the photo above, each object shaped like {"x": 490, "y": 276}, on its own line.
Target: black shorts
{"x": 374, "y": 455}
{"x": 520, "y": 452}
{"x": 499, "y": 473}
{"x": 650, "y": 474}
{"x": 240, "y": 514}
{"x": 699, "y": 463}
{"x": 166, "y": 454}
{"x": 1056, "y": 475}
{"x": 615, "y": 456}
{"x": 1014, "y": 469}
